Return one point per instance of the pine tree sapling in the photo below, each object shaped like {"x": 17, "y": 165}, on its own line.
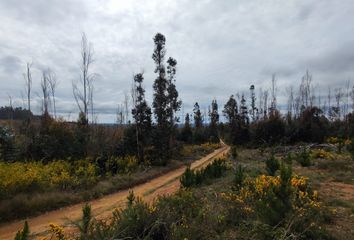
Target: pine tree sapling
{"x": 272, "y": 165}
{"x": 304, "y": 158}
{"x": 234, "y": 152}
{"x": 85, "y": 221}
{"x": 24, "y": 233}
{"x": 239, "y": 177}
{"x": 188, "y": 178}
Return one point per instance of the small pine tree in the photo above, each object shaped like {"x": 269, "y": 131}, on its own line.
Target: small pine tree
{"x": 84, "y": 227}
{"x": 239, "y": 177}
{"x": 24, "y": 233}
{"x": 272, "y": 165}
{"x": 188, "y": 178}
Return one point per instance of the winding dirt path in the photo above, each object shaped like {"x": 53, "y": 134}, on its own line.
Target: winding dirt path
{"x": 102, "y": 208}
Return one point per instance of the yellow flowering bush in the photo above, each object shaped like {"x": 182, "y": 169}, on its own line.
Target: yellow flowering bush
{"x": 332, "y": 140}
{"x": 321, "y": 153}
{"x": 19, "y": 177}
{"x": 272, "y": 198}
{"x": 190, "y": 150}
{"x": 347, "y": 142}
{"x": 56, "y": 231}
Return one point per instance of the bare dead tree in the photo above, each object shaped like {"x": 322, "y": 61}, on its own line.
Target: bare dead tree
{"x": 126, "y": 107}
{"x": 46, "y": 94}
{"x": 290, "y": 92}
{"x": 265, "y": 102}
{"x": 297, "y": 106}
{"x": 260, "y": 103}
{"x": 90, "y": 103}
{"x": 120, "y": 114}
{"x": 273, "y": 104}
{"x": 28, "y": 84}
{"x": 305, "y": 90}
{"x": 53, "y": 83}
{"x": 352, "y": 96}
{"x": 329, "y": 108}
{"x": 133, "y": 93}
{"x": 347, "y": 96}
{"x": 11, "y": 109}
{"x": 338, "y": 96}
{"x": 83, "y": 94}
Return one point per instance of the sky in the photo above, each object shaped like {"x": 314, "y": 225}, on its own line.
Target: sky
{"x": 221, "y": 46}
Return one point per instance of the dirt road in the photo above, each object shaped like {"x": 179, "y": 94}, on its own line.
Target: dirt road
{"x": 102, "y": 208}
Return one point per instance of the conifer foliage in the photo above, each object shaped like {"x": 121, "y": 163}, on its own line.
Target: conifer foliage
{"x": 165, "y": 102}
{"x": 142, "y": 116}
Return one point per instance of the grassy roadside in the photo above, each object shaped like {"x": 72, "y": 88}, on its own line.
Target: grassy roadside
{"x": 243, "y": 202}
{"x": 30, "y": 204}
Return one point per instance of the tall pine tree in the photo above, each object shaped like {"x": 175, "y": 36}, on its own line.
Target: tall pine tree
{"x": 142, "y": 117}
{"x": 198, "y": 119}
{"x": 186, "y": 133}
{"x": 174, "y": 104}
{"x": 231, "y": 113}
{"x": 166, "y": 102}
{"x": 214, "y": 120}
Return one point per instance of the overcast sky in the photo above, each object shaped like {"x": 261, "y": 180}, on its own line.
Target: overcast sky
{"x": 222, "y": 46}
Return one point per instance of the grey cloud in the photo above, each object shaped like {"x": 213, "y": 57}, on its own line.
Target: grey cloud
{"x": 10, "y": 64}
{"x": 337, "y": 60}
{"x": 221, "y": 46}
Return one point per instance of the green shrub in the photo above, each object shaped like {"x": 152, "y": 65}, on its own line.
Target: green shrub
{"x": 304, "y": 158}
{"x": 272, "y": 165}
{"x": 134, "y": 222}
{"x": 192, "y": 178}
{"x": 350, "y": 148}
{"x": 85, "y": 221}
{"x": 24, "y": 233}
{"x": 289, "y": 158}
{"x": 239, "y": 177}
{"x": 7, "y": 144}
{"x": 234, "y": 152}
{"x": 126, "y": 164}
{"x": 188, "y": 178}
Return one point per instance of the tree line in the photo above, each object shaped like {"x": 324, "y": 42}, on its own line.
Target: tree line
{"x": 154, "y": 134}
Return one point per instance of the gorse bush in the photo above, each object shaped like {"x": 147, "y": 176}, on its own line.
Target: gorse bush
{"x": 194, "y": 178}
{"x": 26, "y": 177}
{"x": 321, "y": 153}
{"x": 57, "y": 232}
{"x": 35, "y": 176}
{"x": 126, "y": 164}
{"x": 272, "y": 165}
